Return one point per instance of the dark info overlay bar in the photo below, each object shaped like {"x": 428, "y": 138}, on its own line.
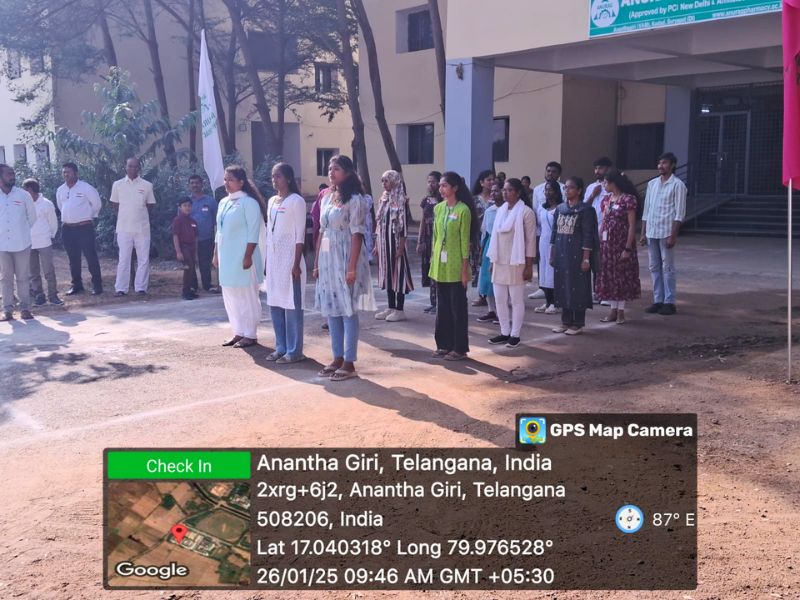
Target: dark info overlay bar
{"x": 584, "y": 501}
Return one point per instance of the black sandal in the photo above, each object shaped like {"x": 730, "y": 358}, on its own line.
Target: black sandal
{"x": 245, "y": 344}
{"x": 233, "y": 341}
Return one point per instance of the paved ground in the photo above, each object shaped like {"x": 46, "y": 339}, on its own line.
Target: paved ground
{"x": 152, "y": 373}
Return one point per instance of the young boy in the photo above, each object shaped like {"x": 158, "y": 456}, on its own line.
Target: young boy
{"x": 184, "y": 237}
{"x": 42, "y": 233}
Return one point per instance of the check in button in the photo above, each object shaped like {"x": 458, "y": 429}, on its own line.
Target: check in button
{"x": 178, "y": 464}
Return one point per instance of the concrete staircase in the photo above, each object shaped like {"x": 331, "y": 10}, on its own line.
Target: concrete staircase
{"x": 756, "y": 216}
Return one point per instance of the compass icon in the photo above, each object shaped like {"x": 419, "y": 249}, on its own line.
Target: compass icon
{"x": 629, "y": 519}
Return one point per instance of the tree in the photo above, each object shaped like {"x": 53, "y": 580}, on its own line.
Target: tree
{"x": 375, "y": 80}
{"x": 438, "y": 45}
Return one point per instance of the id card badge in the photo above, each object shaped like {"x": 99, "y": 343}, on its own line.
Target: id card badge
{"x": 605, "y": 236}
{"x": 443, "y": 257}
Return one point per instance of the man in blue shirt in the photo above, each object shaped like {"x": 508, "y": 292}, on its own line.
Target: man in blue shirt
{"x": 204, "y": 211}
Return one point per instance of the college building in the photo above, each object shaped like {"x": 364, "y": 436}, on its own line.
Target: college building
{"x": 571, "y": 80}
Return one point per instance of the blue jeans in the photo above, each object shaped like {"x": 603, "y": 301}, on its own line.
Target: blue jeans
{"x": 344, "y": 337}
{"x": 662, "y": 270}
{"x": 288, "y": 326}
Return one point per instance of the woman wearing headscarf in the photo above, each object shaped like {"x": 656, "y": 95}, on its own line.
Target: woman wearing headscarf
{"x": 574, "y": 249}
{"x": 286, "y": 265}
{"x": 237, "y": 256}
{"x": 512, "y": 250}
{"x": 618, "y": 279}
{"x": 394, "y": 271}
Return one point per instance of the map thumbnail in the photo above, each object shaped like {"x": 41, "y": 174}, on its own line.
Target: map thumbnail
{"x": 213, "y": 523}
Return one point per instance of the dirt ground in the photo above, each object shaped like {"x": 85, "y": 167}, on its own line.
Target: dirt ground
{"x": 151, "y": 372}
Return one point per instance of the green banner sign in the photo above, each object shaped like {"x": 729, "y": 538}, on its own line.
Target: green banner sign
{"x": 608, "y": 17}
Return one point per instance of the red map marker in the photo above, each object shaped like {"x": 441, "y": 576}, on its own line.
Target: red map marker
{"x": 178, "y": 531}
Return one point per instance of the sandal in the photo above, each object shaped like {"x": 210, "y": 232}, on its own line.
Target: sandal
{"x": 621, "y": 319}
{"x": 455, "y": 356}
{"x": 608, "y": 318}
{"x": 233, "y": 341}
{"x": 439, "y": 353}
{"x": 245, "y": 343}
{"x": 342, "y": 375}
{"x": 328, "y": 371}
{"x": 274, "y": 356}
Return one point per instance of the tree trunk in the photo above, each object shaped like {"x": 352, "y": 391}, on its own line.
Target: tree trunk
{"x": 191, "y": 79}
{"x": 230, "y": 90}
{"x": 158, "y": 76}
{"x": 108, "y": 41}
{"x": 351, "y": 80}
{"x": 262, "y": 105}
{"x": 438, "y": 45}
{"x": 282, "y": 68}
{"x": 375, "y": 78}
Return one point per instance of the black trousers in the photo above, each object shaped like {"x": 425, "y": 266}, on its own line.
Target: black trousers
{"x": 451, "y": 318}
{"x": 549, "y": 295}
{"x": 81, "y": 240}
{"x": 573, "y": 318}
{"x": 396, "y": 299}
{"x": 205, "y": 252}
{"x": 189, "y": 270}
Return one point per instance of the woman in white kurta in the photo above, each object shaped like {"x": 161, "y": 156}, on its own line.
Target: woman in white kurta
{"x": 240, "y": 225}
{"x": 512, "y": 249}
{"x": 286, "y": 266}
{"x": 546, "y": 215}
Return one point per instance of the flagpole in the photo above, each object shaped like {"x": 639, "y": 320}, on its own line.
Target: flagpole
{"x": 789, "y": 289}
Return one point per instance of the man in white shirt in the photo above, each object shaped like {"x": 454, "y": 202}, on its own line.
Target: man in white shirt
{"x": 42, "y": 234}
{"x": 17, "y": 216}
{"x": 552, "y": 172}
{"x": 133, "y": 200}
{"x": 664, "y": 210}
{"x": 596, "y": 190}
{"x": 79, "y": 204}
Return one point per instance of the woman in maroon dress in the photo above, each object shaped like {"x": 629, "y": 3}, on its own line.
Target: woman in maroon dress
{"x": 618, "y": 280}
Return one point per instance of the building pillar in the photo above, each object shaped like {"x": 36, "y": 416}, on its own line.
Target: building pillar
{"x": 468, "y": 131}
{"x": 678, "y": 122}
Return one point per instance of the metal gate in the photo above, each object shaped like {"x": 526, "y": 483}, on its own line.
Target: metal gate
{"x": 723, "y": 153}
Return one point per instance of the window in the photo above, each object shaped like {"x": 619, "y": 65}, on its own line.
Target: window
{"x": 20, "y": 153}
{"x": 13, "y": 64}
{"x": 420, "y": 144}
{"x": 324, "y": 156}
{"x": 2, "y": 155}
{"x": 639, "y": 146}
{"x": 420, "y": 31}
{"x": 266, "y": 50}
{"x": 37, "y": 63}
{"x": 324, "y": 77}
{"x": 500, "y": 139}
{"x": 42, "y": 152}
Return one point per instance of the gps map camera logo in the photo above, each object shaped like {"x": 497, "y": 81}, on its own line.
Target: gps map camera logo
{"x": 605, "y": 12}
{"x": 532, "y": 430}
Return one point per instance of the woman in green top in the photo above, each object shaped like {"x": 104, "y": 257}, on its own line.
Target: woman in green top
{"x": 455, "y": 223}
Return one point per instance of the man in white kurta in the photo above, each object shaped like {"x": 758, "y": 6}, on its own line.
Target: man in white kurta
{"x": 286, "y": 274}
{"x": 133, "y": 200}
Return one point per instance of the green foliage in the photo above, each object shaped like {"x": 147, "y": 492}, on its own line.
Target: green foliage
{"x": 126, "y": 127}
{"x": 168, "y": 501}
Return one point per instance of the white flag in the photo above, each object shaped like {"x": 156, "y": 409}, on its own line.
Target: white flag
{"x": 212, "y": 151}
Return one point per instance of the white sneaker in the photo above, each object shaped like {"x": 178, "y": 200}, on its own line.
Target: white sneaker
{"x": 538, "y": 294}
{"x": 397, "y": 315}
{"x": 541, "y": 309}
{"x": 381, "y": 316}
{"x": 552, "y": 310}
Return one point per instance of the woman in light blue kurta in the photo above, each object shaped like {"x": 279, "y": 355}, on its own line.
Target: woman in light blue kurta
{"x": 344, "y": 285}
{"x": 240, "y": 224}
